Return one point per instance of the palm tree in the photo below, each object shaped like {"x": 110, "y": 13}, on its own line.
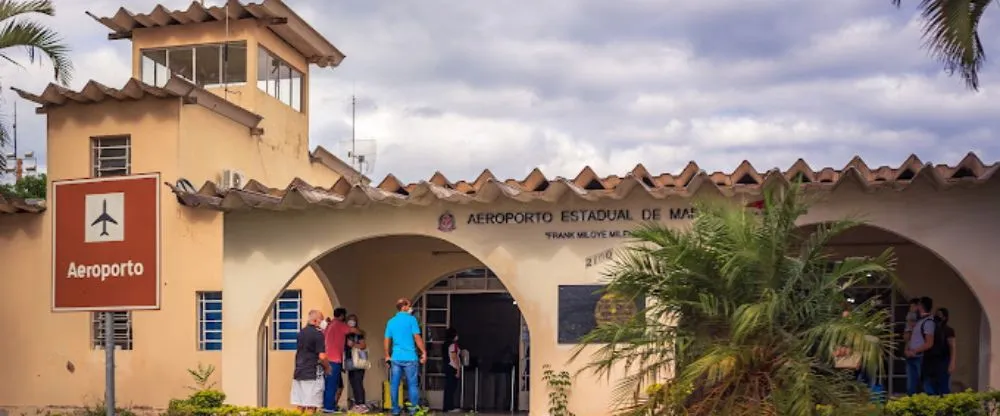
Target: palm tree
{"x": 951, "y": 33}
{"x": 745, "y": 310}
{"x": 36, "y": 38}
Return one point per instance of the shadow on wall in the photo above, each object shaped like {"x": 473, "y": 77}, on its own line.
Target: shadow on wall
{"x": 21, "y": 226}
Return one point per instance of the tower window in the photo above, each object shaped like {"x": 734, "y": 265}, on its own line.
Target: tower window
{"x": 207, "y": 65}
{"x": 279, "y": 80}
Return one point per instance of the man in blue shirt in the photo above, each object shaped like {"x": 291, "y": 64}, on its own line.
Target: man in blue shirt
{"x": 402, "y": 344}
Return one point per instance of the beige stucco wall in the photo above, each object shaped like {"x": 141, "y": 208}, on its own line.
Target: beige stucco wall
{"x": 258, "y": 262}
{"x": 179, "y": 141}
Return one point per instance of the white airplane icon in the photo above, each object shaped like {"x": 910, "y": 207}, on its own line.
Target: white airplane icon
{"x": 104, "y": 219}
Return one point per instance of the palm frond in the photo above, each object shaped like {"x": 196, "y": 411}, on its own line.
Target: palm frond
{"x": 951, "y": 34}
{"x": 743, "y": 310}
{"x": 34, "y": 37}
{"x": 14, "y": 8}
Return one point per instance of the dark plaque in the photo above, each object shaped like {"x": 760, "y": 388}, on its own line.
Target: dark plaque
{"x": 583, "y": 307}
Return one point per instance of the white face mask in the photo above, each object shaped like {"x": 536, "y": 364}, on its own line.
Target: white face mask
{"x": 352, "y": 323}
{"x": 322, "y": 324}
{"x": 409, "y": 311}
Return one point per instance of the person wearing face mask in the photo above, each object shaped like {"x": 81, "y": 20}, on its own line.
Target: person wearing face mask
{"x": 310, "y": 366}
{"x": 452, "y": 370}
{"x": 356, "y": 361}
{"x": 404, "y": 352}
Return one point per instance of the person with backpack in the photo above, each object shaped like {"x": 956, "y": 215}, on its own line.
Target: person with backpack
{"x": 939, "y": 361}
{"x": 921, "y": 340}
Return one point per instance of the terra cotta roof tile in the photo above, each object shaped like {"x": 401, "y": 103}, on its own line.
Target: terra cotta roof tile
{"x": 587, "y": 185}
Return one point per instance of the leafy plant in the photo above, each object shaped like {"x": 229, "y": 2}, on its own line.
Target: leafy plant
{"x": 202, "y": 377}
{"x": 744, "y": 313}
{"x": 33, "y": 186}
{"x": 968, "y": 403}
{"x": 207, "y": 399}
{"x": 99, "y": 409}
{"x": 559, "y": 385}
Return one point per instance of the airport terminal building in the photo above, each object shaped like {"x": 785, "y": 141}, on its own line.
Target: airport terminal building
{"x": 252, "y": 230}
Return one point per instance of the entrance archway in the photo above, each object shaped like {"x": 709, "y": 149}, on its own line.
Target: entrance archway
{"x": 921, "y": 272}
{"x": 365, "y": 277}
{"x": 491, "y": 330}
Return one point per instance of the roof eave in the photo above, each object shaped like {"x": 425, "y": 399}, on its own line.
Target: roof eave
{"x": 326, "y": 55}
{"x": 275, "y": 14}
{"x": 336, "y": 164}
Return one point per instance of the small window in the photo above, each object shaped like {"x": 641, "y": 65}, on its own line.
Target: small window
{"x": 234, "y": 62}
{"x": 263, "y": 69}
{"x": 208, "y": 65}
{"x": 111, "y": 156}
{"x": 209, "y": 321}
{"x": 296, "y": 90}
{"x": 284, "y": 83}
{"x": 154, "y": 67}
{"x": 279, "y": 80}
{"x": 286, "y": 320}
{"x": 180, "y": 61}
{"x": 122, "y": 327}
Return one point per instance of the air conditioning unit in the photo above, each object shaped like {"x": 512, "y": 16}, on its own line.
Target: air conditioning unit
{"x": 232, "y": 179}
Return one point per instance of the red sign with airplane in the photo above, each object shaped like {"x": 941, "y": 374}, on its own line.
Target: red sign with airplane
{"x": 106, "y": 243}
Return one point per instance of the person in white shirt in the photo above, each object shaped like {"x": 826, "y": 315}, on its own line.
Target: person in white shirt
{"x": 452, "y": 370}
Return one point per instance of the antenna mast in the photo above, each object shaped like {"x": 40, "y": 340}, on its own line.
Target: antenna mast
{"x": 18, "y": 163}
{"x": 15, "y": 128}
{"x": 354, "y": 141}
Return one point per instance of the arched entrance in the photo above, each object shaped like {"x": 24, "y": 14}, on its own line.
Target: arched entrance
{"x": 366, "y": 277}
{"x": 493, "y": 334}
{"x": 920, "y": 272}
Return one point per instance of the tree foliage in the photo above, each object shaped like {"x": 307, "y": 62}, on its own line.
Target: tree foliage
{"x": 951, "y": 34}
{"x": 744, "y": 313}
{"x": 33, "y": 186}
{"x": 18, "y": 31}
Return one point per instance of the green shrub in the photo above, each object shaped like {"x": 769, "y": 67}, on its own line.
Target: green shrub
{"x": 967, "y": 403}
{"x": 207, "y": 398}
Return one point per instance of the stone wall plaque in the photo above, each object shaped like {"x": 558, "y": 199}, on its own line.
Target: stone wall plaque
{"x": 583, "y": 307}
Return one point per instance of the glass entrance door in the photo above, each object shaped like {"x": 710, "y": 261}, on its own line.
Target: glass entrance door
{"x": 891, "y": 299}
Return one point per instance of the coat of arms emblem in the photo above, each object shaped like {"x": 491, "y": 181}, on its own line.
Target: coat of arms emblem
{"x": 446, "y": 222}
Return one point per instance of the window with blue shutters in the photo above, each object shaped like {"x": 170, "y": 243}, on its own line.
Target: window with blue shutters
{"x": 209, "y": 321}
{"x": 286, "y": 319}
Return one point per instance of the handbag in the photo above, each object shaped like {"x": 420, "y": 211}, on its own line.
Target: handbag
{"x": 847, "y": 359}
{"x": 358, "y": 360}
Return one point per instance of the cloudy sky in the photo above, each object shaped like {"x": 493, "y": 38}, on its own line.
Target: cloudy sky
{"x": 460, "y": 86}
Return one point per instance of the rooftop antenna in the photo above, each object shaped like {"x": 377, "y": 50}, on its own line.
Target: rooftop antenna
{"x": 15, "y": 127}
{"x": 354, "y": 106}
{"x": 361, "y": 153}
{"x": 225, "y": 55}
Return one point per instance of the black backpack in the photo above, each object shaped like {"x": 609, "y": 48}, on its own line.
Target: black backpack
{"x": 940, "y": 347}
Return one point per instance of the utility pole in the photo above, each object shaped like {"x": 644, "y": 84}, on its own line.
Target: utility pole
{"x": 18, "y": 163}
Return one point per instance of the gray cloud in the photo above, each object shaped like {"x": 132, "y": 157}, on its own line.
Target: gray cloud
{"x": 459, "y": 87}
